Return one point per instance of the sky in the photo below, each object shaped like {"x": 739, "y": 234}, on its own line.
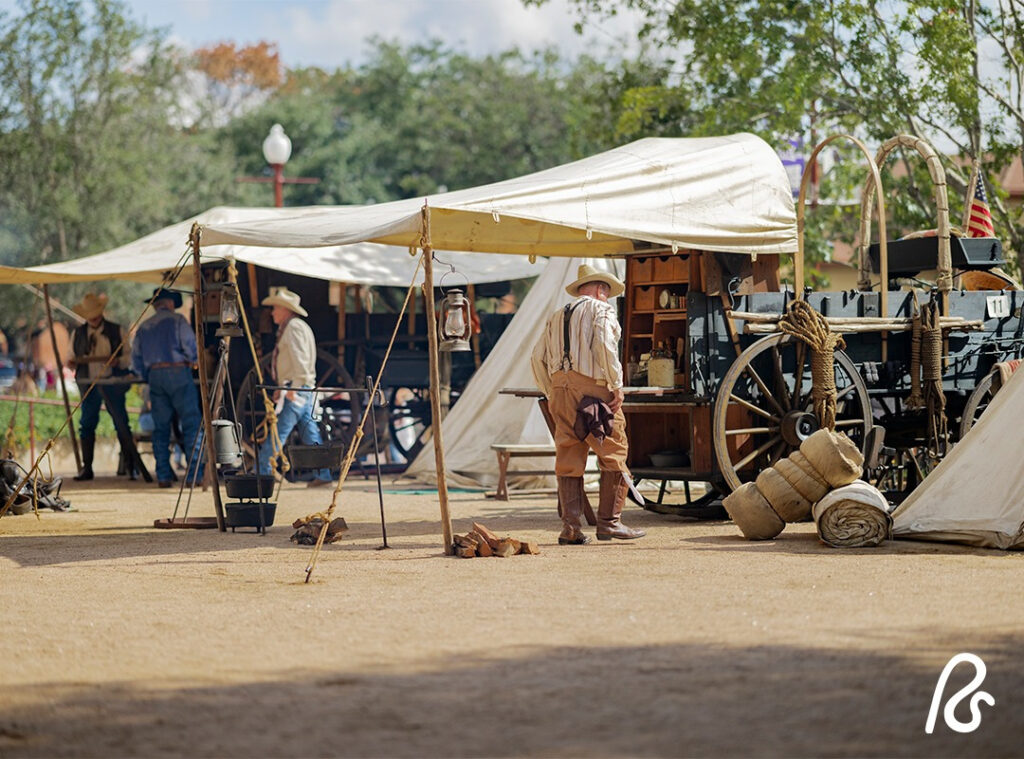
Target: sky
{"x": 333, "y": 33}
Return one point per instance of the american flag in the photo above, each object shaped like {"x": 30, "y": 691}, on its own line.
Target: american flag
{"x": 980, "y": 220}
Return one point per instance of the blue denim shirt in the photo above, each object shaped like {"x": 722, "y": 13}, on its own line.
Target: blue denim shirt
{"x": 164, "y": 338}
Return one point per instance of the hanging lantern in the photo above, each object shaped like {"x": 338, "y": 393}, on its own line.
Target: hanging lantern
{"x": 229, "y": 311}
{"x": 455, "y": 324}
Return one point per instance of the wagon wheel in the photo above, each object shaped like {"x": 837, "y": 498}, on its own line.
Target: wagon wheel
{"x": 977, "y": 402}
{"x": 409, "y": 420}
{"x": 764, "y": 408}
{"x": 341, "y": 412}
{"x": 679, "y": 499}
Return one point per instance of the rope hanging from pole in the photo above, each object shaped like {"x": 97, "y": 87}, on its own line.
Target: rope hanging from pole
{"x": 931, "y": 365}
{"x": 916, "y": 398}
{"x": 269, "y": 425}
{"x": 807, "y": 325}
{"x": 353, "y": 446}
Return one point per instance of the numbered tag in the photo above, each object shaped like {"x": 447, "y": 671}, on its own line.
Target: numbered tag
{"x": 997, "y": 306}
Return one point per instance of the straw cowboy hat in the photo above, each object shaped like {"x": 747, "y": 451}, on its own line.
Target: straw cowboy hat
{"x": 90, "y": 306}
{"x": 587, "y": 274}
{"x": 282, "y": 296}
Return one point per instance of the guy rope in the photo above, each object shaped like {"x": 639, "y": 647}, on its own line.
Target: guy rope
{"x": 353, "y": 445}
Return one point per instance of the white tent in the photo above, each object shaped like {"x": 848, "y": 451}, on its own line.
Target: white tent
{"x": 482, "y": 417}
{"x": 149, "y": 257}
{"x": 713, "y": 193}
{"x": 976, "y": 494}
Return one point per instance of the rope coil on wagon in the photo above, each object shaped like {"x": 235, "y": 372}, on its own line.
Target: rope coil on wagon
{"x": 807, "y": 325}
{"x": 931, "y": 365}
{"x": 916, "y": 397}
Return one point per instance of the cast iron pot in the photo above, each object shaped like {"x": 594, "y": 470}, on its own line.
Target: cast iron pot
{"x": 248, "y": 485}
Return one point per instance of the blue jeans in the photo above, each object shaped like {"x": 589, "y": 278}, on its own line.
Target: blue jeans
{"x": 111, "y": 396}
{"x": 295, "y": 415}
{"x": 171, "y": 389}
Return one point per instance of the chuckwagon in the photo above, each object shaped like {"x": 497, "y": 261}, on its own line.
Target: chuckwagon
{"x": 745, "y": 384}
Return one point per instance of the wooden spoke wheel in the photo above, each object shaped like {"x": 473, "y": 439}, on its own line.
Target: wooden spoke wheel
{"x": 341, "y": 411}
{"x": 977, "y": 402}
{"x": 409, "y": 420}
{"x": 764, "y": 408}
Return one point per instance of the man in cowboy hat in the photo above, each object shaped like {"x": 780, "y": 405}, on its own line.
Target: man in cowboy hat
{"x": 92, "y": 344}
{"x": 293, "y": 364}
{"x": 163, "y": 354}
{"x": 577, "y": 358}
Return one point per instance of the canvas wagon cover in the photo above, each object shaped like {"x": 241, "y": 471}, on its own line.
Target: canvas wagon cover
{"x": 713, "y": 193}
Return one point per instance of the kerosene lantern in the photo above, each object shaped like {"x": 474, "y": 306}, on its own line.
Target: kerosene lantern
{"x": 455, "y": 322}
{"x": 229, "y": 311}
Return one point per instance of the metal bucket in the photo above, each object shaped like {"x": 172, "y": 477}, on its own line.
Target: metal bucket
{"x": 227, "y": 436}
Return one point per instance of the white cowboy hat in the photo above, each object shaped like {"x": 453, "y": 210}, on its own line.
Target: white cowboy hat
{"x": 282, "y": 296}
{"x": 90, "y": 306}
{"x": 587, "y": 274}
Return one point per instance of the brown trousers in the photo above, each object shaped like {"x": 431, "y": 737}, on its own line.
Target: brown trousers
{"x": 567, "y": 388}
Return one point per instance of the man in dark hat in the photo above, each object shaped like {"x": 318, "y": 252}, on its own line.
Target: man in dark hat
{"x": 163, "y": 354}
{"x": 93, "y": 342}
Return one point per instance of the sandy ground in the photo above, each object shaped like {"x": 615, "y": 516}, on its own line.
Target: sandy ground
{"x": 123, "y": 640}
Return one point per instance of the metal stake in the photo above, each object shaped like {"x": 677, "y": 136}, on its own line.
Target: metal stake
{"x": 376, "y": 458}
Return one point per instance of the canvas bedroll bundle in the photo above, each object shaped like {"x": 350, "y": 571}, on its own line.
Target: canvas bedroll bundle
{"x": 853, "y": 516}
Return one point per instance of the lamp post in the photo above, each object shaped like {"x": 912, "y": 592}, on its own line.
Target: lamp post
{"x": 277, "y": 149}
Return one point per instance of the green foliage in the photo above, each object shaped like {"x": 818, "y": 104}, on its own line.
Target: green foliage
{"x": 49, "y": 419}
{"x": 785, "y": 68}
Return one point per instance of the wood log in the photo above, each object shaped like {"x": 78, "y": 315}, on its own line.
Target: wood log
{"x": 528, "y": 547}
{"x": 465, "y": 552}
{"x": 482, "y": 547}
{"x": 490, "y": 537}
{"x": 504, "y": 549}
{"x": 465, "y": 541}
{"x": 517, "y": 544}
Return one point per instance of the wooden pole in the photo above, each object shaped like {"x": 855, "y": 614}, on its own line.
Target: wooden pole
{"x": 475, "y": 338}
{"x": 60, "y": 373}
{"x": 204, "y": 390}
{"x": 435, "y": 398}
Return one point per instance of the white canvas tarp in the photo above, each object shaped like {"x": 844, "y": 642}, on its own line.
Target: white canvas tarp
{"x": 976, "y": 494}
{"x": 149, "y": 257}
{"x": 481, "y": 416}
{"x": 713, "y": 193}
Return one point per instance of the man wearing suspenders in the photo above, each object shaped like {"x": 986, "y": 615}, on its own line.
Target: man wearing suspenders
{"x": 577, "y": 358}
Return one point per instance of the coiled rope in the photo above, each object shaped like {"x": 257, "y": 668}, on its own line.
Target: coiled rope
{"x": 916, "y": 398}
{"x": 807, "y": 325}
{"x": 931, "y": 365}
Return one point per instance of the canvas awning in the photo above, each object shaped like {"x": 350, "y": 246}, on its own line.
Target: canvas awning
{"x": 712, "y": 193}
{"x": 148, "y": 258}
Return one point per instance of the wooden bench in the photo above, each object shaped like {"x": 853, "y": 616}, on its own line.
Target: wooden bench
{"x": 507, "y": 451}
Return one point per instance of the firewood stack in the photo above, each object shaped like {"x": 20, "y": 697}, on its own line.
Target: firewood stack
{"x": 307, "y": 529}
{"x": 482, "y": 542}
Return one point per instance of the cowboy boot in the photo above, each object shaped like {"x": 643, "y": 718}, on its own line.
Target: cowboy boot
{"x": 571, "y": 496}
{"x": 88, "y": 449}
{"x": 613, "y": 498}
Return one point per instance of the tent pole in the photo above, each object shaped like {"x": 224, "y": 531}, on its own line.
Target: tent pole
{"x": 204, "y": 390}
{"x": 60, "y": 374}
{"x": 435, "y": 397}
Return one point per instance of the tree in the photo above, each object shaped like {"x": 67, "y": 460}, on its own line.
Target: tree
{"x": 89, "y": 156}
{"x": 783, "y": 68}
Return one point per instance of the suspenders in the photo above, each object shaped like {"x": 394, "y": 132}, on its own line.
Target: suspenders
{"x": 566, "y": 316}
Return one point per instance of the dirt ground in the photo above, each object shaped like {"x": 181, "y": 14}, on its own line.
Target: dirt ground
{"x": 121, "y": 640}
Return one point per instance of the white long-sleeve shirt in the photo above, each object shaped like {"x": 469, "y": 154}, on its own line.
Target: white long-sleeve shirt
{"x": 295, "y": 354}
{"x": 593, "y": 344}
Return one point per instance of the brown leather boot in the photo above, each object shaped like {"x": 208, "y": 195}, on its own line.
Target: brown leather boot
{"x": 613, "y": 498}
{"x": 571, "y": 496}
